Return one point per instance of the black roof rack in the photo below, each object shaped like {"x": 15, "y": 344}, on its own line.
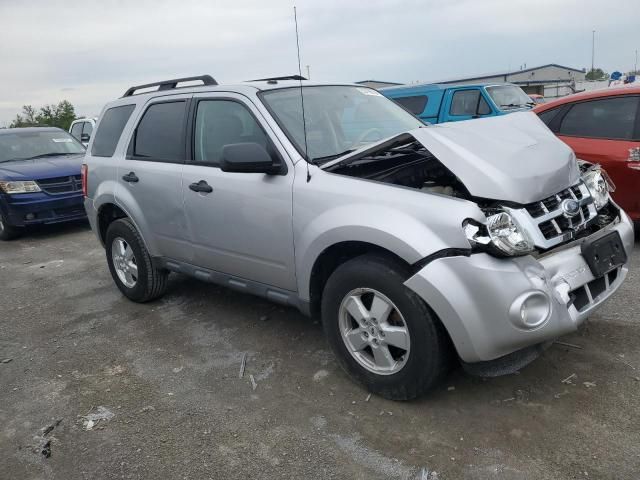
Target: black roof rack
{"x": 171, "y": 84}
{"x": 275, "y": 79}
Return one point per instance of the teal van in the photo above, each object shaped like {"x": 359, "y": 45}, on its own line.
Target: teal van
{"x": 438, "y": 103}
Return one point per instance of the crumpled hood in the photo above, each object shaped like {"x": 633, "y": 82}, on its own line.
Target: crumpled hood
{"x": 40, "y": 168}
{"x": 511, "y": 157}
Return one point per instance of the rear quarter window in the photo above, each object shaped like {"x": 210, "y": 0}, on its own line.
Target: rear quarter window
{"x": 110, "y": 129}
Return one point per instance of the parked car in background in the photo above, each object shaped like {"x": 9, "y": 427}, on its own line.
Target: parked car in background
{"x": 40, "y": 178}
{"x": 82, "y": 129}
{"x": 603, "y": 126}
{"x": 439, "y": 103}
{"x": 537, "y": 99}
{"x": 414, "y": 244}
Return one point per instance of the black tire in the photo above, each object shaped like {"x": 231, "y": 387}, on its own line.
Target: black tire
{"x": 151, "y": 281}
{"x": 430, "y": 348}
{"x": 7, "y": 231}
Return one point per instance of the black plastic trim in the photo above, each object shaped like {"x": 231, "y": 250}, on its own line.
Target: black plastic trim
{"x": 171, "y": 84}
{"x": 445, "y": 252}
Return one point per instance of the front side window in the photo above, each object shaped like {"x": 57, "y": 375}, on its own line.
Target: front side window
{"x": 76, "y": 130}
{"x": 465, "y": 102}
{"x": 37, "y": 144}
{"x": 508, "y": 97}
{"x": 87, "y": 129}
{"x": 415, "y": 104}
{"x": 339, "y": 119}
{"x": 110, "y": 129}
{"x": 224, "y": 122}
{"x": 612, "y": 118}
{"x": 160, "y": 133}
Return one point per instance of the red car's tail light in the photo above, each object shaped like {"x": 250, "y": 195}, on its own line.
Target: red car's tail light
{"x": 84, "y": 172}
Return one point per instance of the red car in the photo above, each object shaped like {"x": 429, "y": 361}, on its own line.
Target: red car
{"x": 603, "y": 126}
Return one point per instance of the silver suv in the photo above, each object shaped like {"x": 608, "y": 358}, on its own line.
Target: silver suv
{"x": 417, "y": 245}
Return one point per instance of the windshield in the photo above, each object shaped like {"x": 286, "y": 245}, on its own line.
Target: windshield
{"x": 20, "y": 145}
{"x": 339, "y": 119}
{"x": 508, "y": 97}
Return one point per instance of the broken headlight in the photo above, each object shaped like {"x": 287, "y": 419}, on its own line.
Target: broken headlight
{"x": 501, "y": 233}
{"x": 599, "y": 185}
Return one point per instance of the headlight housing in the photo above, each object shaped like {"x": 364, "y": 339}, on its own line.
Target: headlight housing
{"x": 28, "y": 186}
{"x": 502, "y": 234}
{"x": 599, "y": 185}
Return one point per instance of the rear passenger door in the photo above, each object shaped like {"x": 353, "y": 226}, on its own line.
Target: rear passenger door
{"x": 243, "y": 225}
{"x": 465, "y": 104}
{"x": 150, "y": 178}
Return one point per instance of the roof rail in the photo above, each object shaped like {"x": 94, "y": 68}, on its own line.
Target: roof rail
{"x": 171, "y": 84}
{"x": 275, "y": 79}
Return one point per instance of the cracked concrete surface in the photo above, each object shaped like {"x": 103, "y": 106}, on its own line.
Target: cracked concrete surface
{"x": 168, "y": 372}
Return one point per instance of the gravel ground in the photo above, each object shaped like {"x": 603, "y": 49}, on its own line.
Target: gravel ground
{"x": 94, "y": 386}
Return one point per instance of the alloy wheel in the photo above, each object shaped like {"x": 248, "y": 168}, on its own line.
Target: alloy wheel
{"x": 124, "y": 262}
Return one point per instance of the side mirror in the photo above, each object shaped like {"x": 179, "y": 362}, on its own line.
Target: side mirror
{"x": 85, "y": 137}
{"x": 247, "y": 158}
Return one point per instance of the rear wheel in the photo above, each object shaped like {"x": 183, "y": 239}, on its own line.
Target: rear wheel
{"x": 383, "y": 334}
{"x": 7, "y": 231}
{"x": 130, "y": 263}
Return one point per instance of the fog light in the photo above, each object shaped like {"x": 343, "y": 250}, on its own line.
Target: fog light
{"x": 30, "y": 216}
{"x": 530, "y": 310}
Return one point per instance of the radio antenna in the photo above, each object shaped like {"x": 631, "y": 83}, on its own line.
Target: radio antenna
{"x": 304, "y": 119}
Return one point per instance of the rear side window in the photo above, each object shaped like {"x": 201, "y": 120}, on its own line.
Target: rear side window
{"x": 76, "y": 130}
{"x": 415, "y": 104}
{"x": 110, "y": 129}
{"x": 160, "y": 133}
{"x": 610, "y": 118}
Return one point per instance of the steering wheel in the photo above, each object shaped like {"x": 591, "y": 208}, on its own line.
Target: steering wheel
{"x": 366, "y": 133}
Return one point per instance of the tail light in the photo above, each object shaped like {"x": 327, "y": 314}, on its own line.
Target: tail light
{"x": 84, "y": 173}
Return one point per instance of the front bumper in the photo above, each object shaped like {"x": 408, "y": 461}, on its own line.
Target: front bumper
{"x": 38, "y": 208}
{"x": 478, "y": 298}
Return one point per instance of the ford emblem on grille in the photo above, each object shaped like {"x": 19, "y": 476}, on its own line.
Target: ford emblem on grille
{"x": 570, "y": 208}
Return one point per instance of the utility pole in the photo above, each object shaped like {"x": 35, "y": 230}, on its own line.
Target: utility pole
{"x": 635, "y": 65}
{"x": 593, "y": 47}
{"x": 308, "y": 73}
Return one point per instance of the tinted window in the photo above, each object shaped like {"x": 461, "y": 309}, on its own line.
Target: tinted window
{"x": 110, "y": 129}
{"x": 223, "y": 122}
{"x": 160, "y": 133}
{"x": 465, "y": 102}
{"x": 608, "y": 118}
{"x": 76, "y": 130}
{"x": 88, "y": 128}
{"x": 548, "y": 116}
{"x": 415, "y": 105}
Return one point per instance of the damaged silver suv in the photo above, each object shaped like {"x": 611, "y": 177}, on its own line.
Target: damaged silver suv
{"x": 417, "y": 245}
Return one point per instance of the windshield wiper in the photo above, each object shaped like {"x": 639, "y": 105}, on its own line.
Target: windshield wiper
{"x": 513, "y": 105}
{"x": 321, "y": 160}
{"x": 50, "y": 154}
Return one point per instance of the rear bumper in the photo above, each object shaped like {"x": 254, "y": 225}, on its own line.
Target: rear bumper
{"x": 41, "y": 208}
{"x": 479, "y": 298}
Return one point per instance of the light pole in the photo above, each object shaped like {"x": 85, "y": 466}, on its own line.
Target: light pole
{"x": 593, "y": 48}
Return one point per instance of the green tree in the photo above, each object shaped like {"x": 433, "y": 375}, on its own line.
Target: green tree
{"x": 597, "y": 74}
{"x": 60, "y": 115}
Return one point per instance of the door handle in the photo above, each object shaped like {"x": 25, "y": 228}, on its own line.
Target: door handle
{"x": 130, "y": 177}
{"x": 201, "y": 186}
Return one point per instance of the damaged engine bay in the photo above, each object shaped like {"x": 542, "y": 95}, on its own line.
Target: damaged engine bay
{"x": 404, "y": 162}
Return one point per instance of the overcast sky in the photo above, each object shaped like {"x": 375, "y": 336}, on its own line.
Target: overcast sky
{"x": 90, "y": 51}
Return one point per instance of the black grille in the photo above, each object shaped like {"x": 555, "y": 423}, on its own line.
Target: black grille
{"x": 595, "y": 287}
{"x": 58, "y": 185}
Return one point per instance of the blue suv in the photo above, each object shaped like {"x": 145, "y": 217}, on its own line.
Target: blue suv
{"x": 40, "y": 179}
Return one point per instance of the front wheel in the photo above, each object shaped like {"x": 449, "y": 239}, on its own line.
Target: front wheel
{"x": 7, "y": 231}
{"x": 383, "y": 334}
{"x": 130, "y": 263}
